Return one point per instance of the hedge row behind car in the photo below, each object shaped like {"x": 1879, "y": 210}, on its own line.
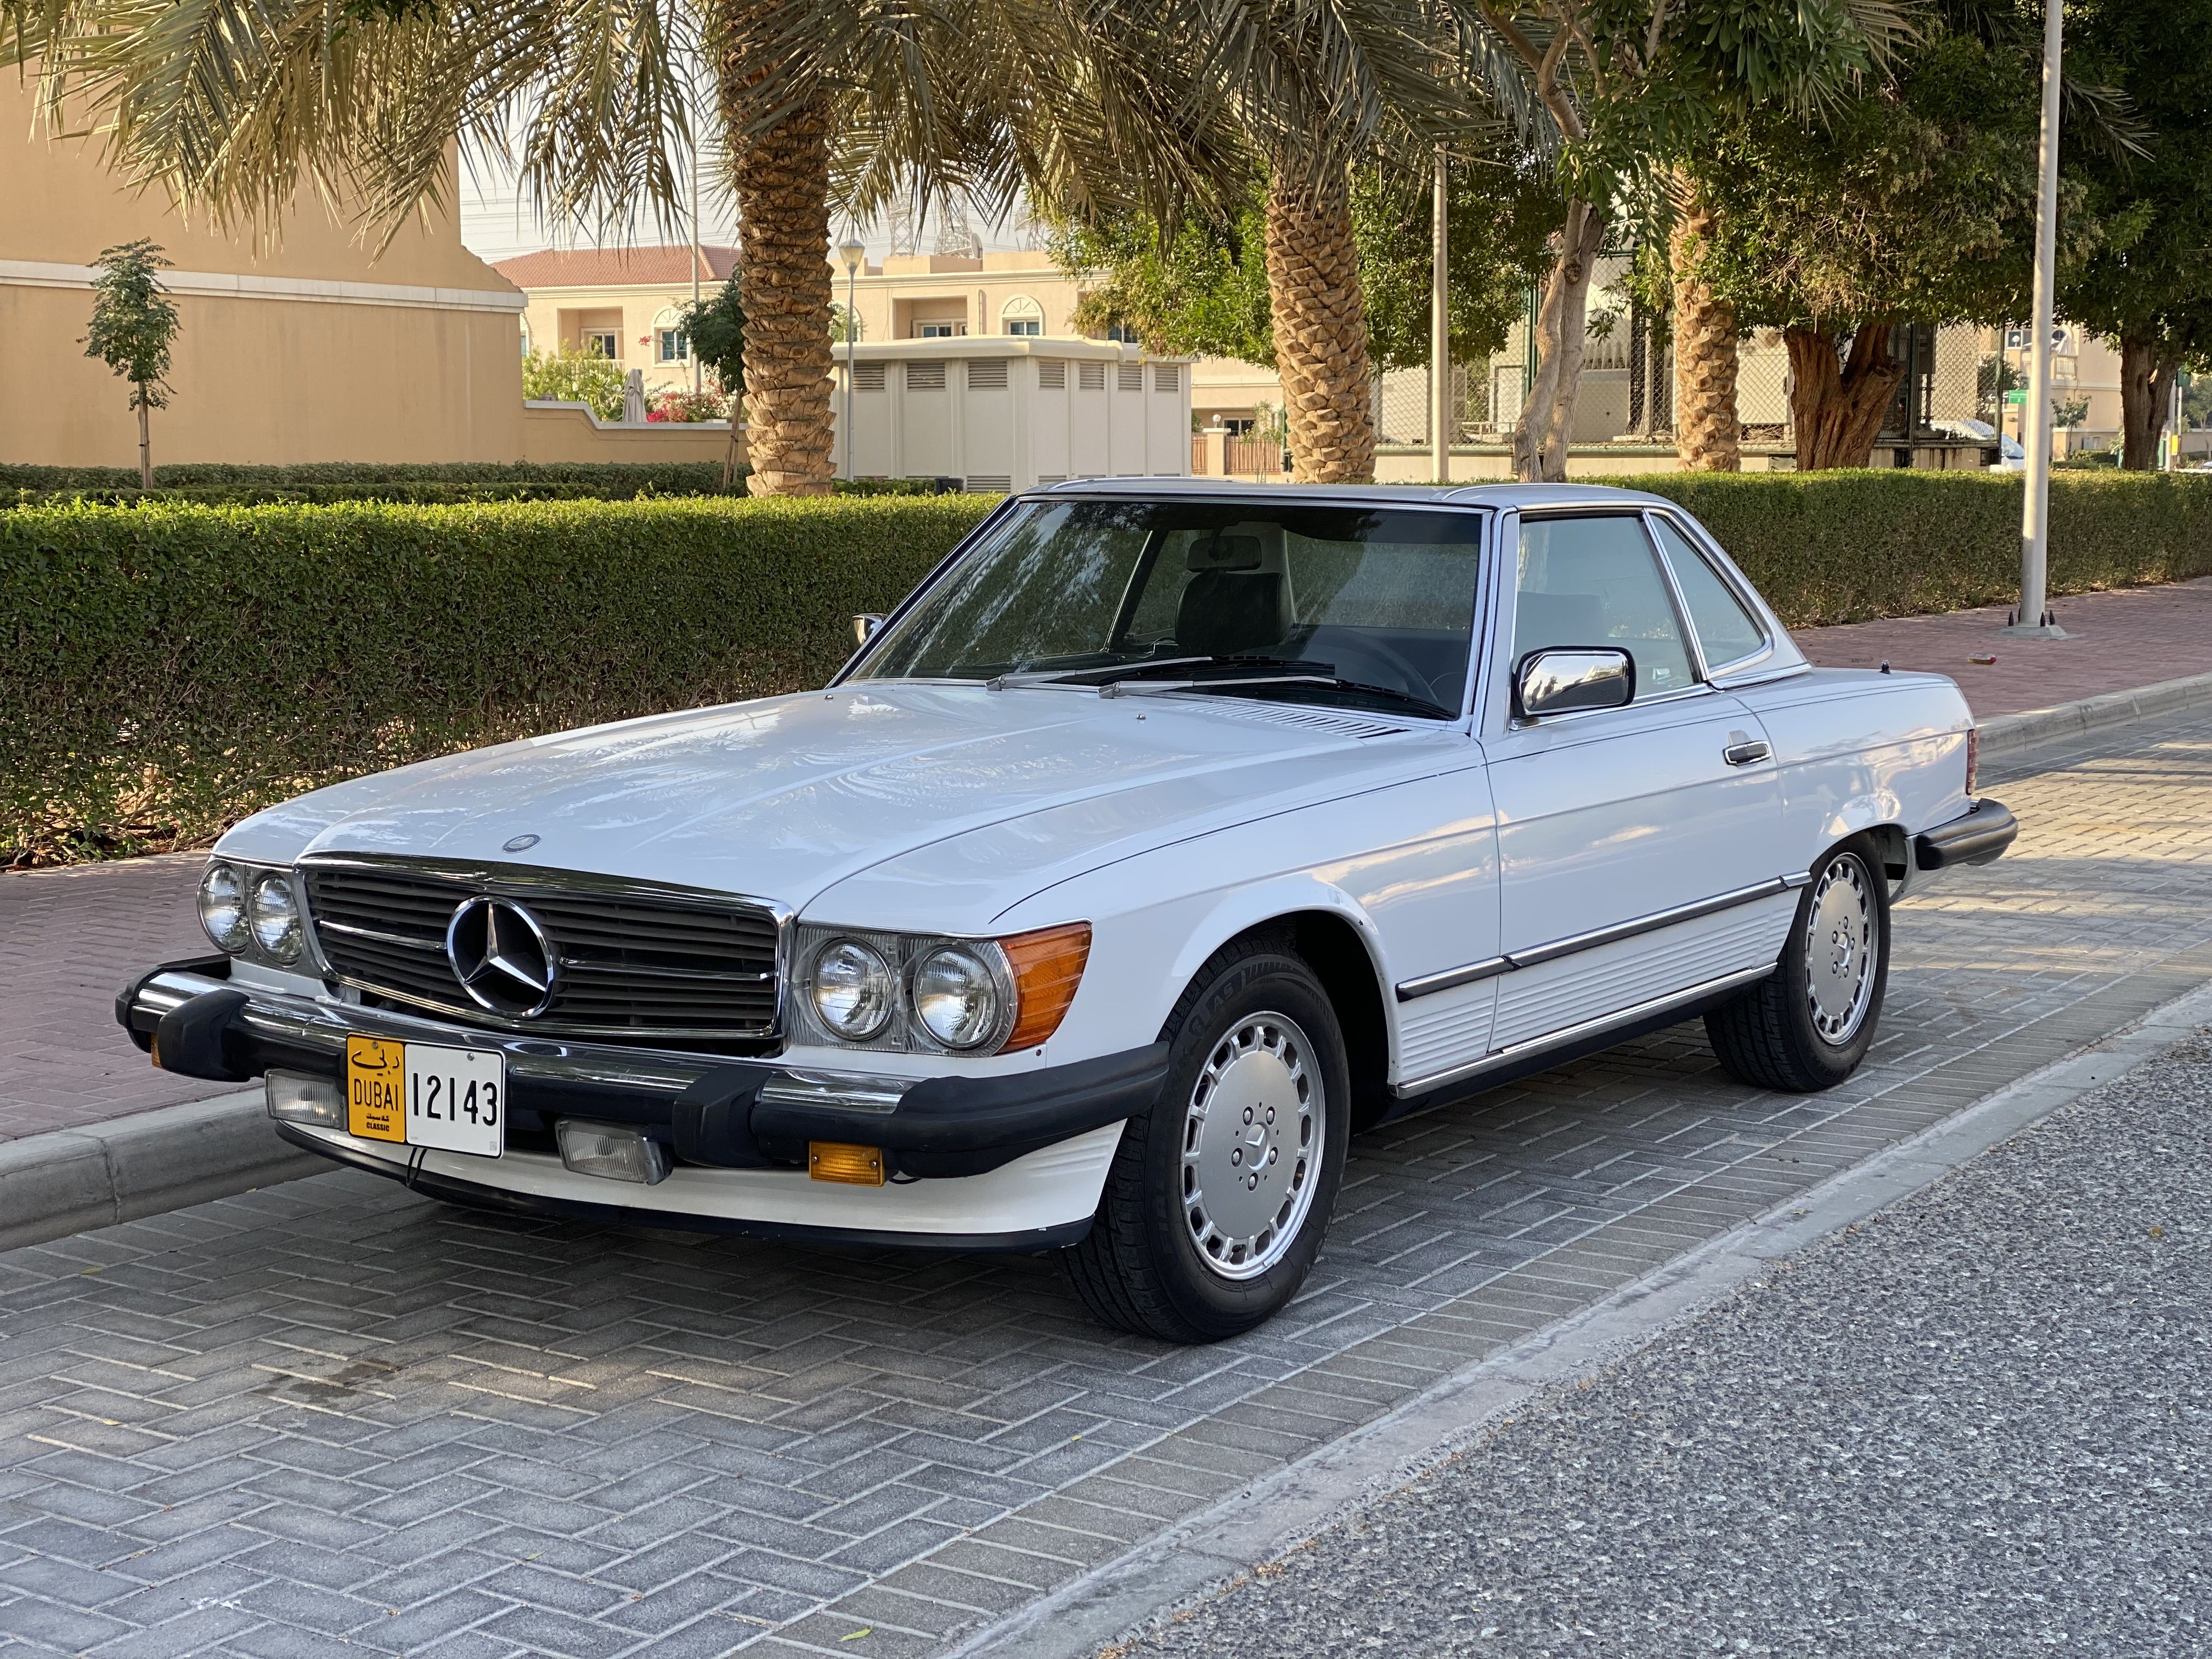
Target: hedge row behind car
{"x": 371, "y": 480}
{"x": 166, "y": 667}
{"x": 169, "y": 668}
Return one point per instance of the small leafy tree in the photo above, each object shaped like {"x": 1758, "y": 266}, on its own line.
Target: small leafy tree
{"x": 716, "y": 328}
{"x": 575, "y": 376}
{"x": 133, "y": 326}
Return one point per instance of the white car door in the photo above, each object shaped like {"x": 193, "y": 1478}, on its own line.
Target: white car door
{"x": 1641, "y": 848}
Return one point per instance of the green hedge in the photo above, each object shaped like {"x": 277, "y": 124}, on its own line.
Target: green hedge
{"x": 1839, "y": 547}
{"x": 164, "y": 669}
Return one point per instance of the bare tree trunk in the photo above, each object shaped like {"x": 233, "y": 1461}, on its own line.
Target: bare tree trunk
{"x": 1547, "y": 419}
{"x": 1708, "y": 433}
{"x": 1838, "y": 402}
{"x": 2145, "y": 390}
{"x": 145, "y": 443}
{"x": 1320, "y": 316}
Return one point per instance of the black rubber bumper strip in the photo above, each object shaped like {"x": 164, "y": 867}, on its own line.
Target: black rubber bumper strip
{"x": 960, "y": 1126}
{"x": 1978, "y": 835}
{"x": 533, "y": 1205}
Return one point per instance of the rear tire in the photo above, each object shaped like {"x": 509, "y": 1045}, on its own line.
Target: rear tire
{"x": 1806, "y": 1026}
{"x": 1219, "y": 1196}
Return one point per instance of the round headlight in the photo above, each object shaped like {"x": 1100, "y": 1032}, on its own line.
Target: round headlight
{"x": 957, "y": 997}
{"x": 276, "y": 916}
{"x": 223, "y": 906}
{"x": 852, "y": 990}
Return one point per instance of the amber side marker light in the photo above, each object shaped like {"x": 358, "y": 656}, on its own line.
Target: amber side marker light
{"x": 1047, "y": 966}
{"x": 834, "y": 1160}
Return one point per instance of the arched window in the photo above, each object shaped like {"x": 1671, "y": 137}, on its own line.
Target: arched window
{"x": 525, "y": 321}
{"x": 1021, "y": 315}
{"x": 670, "y": 345}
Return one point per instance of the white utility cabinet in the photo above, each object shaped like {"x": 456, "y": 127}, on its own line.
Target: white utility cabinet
{"x": 1011, "y": 412}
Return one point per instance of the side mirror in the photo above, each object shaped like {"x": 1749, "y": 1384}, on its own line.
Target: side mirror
{"x": 864, "y": 625}
{"x": 1564, "y": 680}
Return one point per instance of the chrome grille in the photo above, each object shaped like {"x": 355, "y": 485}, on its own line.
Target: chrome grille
{"x": 636, "y": 960}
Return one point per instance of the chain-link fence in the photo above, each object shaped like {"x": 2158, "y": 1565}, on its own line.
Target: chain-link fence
{"x": 1947, "y": 376}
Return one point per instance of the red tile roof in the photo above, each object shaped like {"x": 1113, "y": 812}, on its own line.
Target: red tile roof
{"x": 613, "y": 267}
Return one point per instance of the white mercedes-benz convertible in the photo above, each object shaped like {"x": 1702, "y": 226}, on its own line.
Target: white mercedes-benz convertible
{"x": 1163, "y": 837}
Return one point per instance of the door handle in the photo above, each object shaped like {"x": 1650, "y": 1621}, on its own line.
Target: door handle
{"x": 1746, "y": 754}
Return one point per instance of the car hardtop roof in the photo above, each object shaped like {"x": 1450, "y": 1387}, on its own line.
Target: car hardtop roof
{"x": 1529, "y": 497}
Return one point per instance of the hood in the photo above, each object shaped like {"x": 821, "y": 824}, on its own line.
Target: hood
{"x": 783, "y": 798}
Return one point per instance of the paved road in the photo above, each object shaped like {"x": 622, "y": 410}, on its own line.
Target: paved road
{"x": 1979, "y": 1424}
{"x": 333, "y": 1417}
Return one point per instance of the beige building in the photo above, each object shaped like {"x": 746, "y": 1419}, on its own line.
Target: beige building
{"x": 626, "y": 304}
{"x": 301, "y": 350}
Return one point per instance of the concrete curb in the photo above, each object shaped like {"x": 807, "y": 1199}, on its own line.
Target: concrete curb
{"x": 1275, "y": 1514}
{"x": 53, "y": 1185}
{"x": 2008, "y": 732}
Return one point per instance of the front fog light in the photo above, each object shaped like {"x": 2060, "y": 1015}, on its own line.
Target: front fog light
{"x": 223, "y": 906}
{"x": 614, "y": 1151}
{"x": 294, "y": 1097}
{"x": 276, "y": 916}
{"x": 852, "y": 990}
{"x": 957, "y": 997}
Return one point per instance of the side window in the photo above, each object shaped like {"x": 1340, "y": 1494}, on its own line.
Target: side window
{"x": 1727, "y": 632}
{"x": 1596, "y": 582}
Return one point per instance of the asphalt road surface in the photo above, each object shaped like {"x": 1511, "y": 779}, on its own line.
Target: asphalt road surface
{"x": 1978, "y": 1424}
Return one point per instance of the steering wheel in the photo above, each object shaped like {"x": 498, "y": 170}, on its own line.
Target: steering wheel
{"x": 1397, "y": 669}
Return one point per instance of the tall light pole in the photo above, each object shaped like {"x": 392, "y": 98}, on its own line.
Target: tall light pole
{"x": 1440, "y": 386}
{"x": 851, "y": 251}
{"x": 2035, "y": 511}
{"x": 690, "y": 349}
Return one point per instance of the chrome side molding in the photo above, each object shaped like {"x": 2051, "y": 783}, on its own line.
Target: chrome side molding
{"x": 1489, "y": 967}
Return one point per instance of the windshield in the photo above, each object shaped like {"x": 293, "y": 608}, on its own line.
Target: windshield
{"x": 1343, "y": 604}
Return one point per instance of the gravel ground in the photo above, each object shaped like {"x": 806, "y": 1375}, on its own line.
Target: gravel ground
{"x": 1978, "y": 1424}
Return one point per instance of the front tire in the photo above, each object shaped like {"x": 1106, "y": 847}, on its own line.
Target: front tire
{"x": 1806, "y": 1026}
{"x": 1217, "y": 1198}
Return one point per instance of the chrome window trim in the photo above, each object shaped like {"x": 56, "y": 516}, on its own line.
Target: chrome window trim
{"x": 1755, "y": 606}
{"x": 521, "y": 881}
{"x": 1491, "y": 967}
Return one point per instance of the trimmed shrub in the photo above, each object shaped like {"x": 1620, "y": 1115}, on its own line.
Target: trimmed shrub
{"x": 166, "y": 667}
{"x": 169, "y": 668}
{"x": 1840, "y": 547}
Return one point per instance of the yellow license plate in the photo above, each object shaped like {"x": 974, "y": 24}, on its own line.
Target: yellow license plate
{"x": 423, "y": 1094}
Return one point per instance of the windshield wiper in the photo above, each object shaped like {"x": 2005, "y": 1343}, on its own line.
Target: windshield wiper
{"x": 1101, "y": 676}
{"x": 1331, "y": 682}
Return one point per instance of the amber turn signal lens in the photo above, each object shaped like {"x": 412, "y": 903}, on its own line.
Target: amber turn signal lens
{"x": 1047, "y": 966}
{"x": 856, "y": 1166}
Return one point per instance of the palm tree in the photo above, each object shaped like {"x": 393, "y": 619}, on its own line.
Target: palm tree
{"x": 1708, "y": 436}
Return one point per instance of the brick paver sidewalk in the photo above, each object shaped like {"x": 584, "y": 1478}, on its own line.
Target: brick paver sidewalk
{"x": 334, "y": 1417}
{"x": 68, "y": 938}
{"x": 2129, "y": 637}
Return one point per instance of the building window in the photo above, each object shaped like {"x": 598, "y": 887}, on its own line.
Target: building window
{"x": 1022, "y": 315}
{"x": 1030, "y": 327}
{"x": 674, "y": 348}
{"x": 1125, "y": 333}
{"x": 603, "y": 342}
{"x": 939, "y": 331}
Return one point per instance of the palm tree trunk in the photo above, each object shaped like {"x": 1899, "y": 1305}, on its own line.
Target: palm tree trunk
{"x": 781, "y": 174}
{"x": 1547, "y": 419}
{"x": 2146, "y": 388}
{"x": 1838, "y": 401}
{"x": 1320, "y": 316}
{"x": 1708, "y": 436}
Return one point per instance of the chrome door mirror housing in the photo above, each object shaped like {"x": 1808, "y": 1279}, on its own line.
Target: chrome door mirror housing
{"x": 866, "y": 624}
{"x": 1567, "y": 680}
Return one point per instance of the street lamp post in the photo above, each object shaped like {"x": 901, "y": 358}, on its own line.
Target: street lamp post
{"x": 2035, "y": 511}
{"x": 851, "y": 251}
{"x": 1440, "y": 369}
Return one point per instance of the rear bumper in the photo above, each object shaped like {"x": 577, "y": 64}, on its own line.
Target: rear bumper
{"x": 715, "y": 1114}
{"x": 1978, "y": 835}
